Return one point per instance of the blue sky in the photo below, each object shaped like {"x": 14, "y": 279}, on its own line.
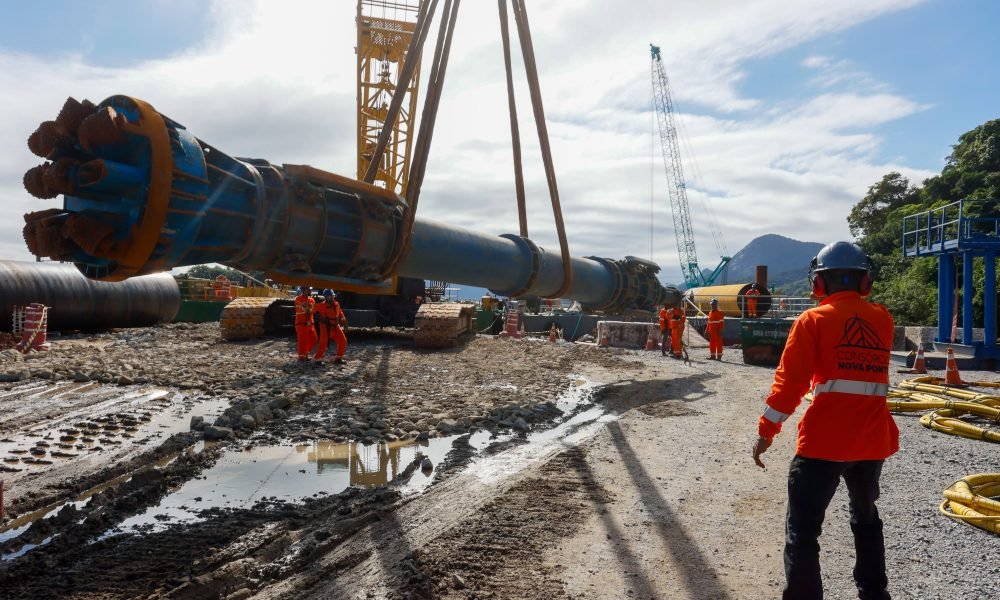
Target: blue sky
{"x": 792, "y": 108}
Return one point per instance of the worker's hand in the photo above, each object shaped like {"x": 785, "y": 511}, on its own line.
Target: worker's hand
{"x": 760, "y": 447}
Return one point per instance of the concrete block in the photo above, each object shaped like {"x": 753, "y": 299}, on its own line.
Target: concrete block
{"x": 622, "y": 334}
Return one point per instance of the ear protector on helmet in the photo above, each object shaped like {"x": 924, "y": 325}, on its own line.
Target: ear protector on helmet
{"x": 819, "y": 285}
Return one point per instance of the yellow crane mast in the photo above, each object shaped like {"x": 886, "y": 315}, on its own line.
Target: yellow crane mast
{"x": 385, "y": 28}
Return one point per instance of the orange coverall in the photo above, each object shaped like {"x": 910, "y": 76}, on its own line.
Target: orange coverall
{"x": 329, "y": 315}
{"x": 305, "y": 332}
{"x": 716, "y": 322}
{"x": 751, "y": 298}
{"x": 664, "y": 328}
{"x": 677, "y": 320}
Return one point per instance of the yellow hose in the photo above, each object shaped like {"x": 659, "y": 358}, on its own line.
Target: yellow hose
{"x": 969, "y": 499}
{"x": 974, "y": 499}
{"x": 920, "y": 395}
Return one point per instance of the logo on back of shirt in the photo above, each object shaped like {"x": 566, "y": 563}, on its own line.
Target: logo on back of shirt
{"x": 861, "y": 348}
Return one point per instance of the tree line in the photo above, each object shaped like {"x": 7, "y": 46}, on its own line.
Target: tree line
{"x": 908, "y": 286}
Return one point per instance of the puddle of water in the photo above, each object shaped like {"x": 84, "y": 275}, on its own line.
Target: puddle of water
{"x": 25, "y": 549}
{"x": 241, "y": 478}
{"x": 125, "y": 419}
{"x": 21, "y": 524}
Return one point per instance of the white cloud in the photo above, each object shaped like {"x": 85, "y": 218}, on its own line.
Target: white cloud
{"x": 277, "y": 83}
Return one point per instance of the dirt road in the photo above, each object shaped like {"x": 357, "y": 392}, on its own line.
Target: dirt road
{"x": 557, "y": 471}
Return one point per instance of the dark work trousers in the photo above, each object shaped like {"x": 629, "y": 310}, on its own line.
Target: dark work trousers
{"x": 811, "y": 484}
{"x": 664, "y": 341}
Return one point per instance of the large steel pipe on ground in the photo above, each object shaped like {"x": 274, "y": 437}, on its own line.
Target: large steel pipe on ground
{"x": 142, "y": 195}
{"x": 732, "y": 298}
{"x": 78, "y": 303}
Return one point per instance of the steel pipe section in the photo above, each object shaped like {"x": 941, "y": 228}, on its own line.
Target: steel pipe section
{"x": 732, "y": 298}
{"x": 78, "y": 303}
{"x": 143, "y": 195}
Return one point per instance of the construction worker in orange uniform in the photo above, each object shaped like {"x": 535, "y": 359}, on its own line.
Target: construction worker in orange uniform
{"x": 331, "y": 321}
{"x": 305, "y": 331}
{"x": 751, "y": 299}
{"x": 839, "y": 349}
{"x": 676, "y": 323}
{"x": 714, "y": 326}
{"x": 664, "y": 328}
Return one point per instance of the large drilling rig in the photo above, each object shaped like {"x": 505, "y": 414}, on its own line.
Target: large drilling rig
{"x": 141, "y": 194}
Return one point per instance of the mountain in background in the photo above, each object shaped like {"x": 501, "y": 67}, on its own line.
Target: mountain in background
{"x": 787, "y": 260}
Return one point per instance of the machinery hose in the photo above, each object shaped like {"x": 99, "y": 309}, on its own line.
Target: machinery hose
{"x": 972, "y": 499}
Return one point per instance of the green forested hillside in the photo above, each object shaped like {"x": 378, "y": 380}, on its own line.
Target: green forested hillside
{"x": 909, "y": 286}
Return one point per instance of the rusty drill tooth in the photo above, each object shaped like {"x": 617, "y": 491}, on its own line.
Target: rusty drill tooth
{"x": 42, "y": 234}
{"x": 34, "y": 182}
{"x": 87, "y": 232}
{"x": 52, "y": 138}
{"x": 73, "y": 113}
{"x": 101, "y": 128}
{"x": 35, "y": 145}
{"x": 56, "y": 177}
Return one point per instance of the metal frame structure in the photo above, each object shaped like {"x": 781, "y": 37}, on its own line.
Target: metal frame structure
{"x": 947, "y": 232}
{"x": 675, "y": 178}
{"x": 385, "y": 28}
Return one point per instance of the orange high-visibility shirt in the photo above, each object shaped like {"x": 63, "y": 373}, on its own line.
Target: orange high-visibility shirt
{"x": 330, "y": 312}
{"x": 304, "y": 306}
{"x": 677, "y": 318}
{"x": 663, "y": 319}
{"x": 716, "y": 321}
{"x": 840, "y": 349}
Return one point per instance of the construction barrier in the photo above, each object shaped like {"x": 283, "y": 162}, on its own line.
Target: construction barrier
{"x": 35, "y": 328}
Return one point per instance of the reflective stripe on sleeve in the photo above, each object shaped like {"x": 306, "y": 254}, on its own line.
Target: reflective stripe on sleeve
{"x": 774, "y": 416}
{"x": 848, "y": 386}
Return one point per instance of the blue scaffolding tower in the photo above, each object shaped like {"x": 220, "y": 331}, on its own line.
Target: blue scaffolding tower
{"x": 948, "y": 232}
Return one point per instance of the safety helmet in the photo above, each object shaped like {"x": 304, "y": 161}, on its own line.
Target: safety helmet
{"x": 714, "y": 302}
{"x": 329, "y": 293}
{"x": 840, "y": 255}
{"x": 304, "y": 289}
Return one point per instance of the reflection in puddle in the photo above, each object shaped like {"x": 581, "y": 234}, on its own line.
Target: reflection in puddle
{"x": 291, "y": 473}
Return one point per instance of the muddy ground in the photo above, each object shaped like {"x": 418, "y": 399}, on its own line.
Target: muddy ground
{"x": 556, "y": 471}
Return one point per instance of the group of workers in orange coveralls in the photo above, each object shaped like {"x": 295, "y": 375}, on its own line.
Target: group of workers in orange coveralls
{"x": 323, "y": 313}
{"x": 672, "y": 321}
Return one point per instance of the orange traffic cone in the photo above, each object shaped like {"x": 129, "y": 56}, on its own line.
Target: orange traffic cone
{"x": 952, "y": 376}
{"x": 650, "y": 341}
{"x": 919, "y": 366}
{"x": 552, "y": 334}
{"x": 604, "y": 342}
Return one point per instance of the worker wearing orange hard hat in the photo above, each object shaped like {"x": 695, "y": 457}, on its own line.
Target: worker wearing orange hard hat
{"x": 664, "y": 328}
{"x": 751, "y": 300}
{"x": 676, "y": 320}
{"x": 839, "y": 349}
{"x": 305, "y": 331}
{"x": 713, "y": 327}
{"x": 332, "y": 321}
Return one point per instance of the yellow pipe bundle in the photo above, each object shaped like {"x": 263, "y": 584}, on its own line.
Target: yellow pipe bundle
{"x": 969, "y": 499}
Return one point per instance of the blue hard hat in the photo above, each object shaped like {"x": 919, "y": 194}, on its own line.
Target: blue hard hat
{"x": 304, "y": 289}
{"x": 840, "y": 255}
{"x": 329, "y": 292}
{"x": 714, "y": 302}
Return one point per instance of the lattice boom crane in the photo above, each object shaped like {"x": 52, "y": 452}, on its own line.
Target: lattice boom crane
{"x": 675, "y": 178}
